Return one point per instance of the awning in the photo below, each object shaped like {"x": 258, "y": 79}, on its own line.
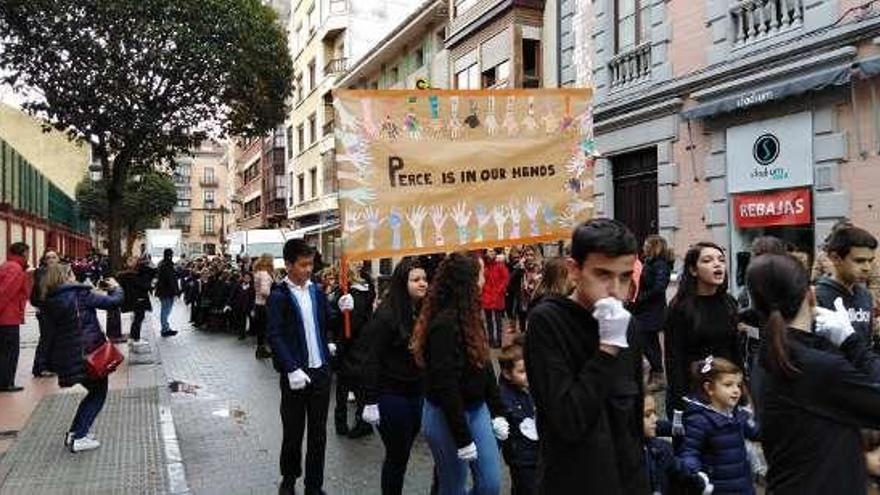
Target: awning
{"x": 815, "y": 81}
{"x": 312, "y": 229}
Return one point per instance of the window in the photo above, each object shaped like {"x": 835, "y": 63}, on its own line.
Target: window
{"x": 531, "y": 50}
{"x": 301, "y": 138}
{"x": 290, "y": 141}
{"x": 301, "y": 187}
{"x": 312, "y": 83}
{"x": 183, "y": 203}
{"x": 299, "y": 88}
{"x": 419, "y": 57}
{"x": 209, "y": 224}
{"x": 252, "y": 207}
{"x": 395, "y": 75}
{"x": 251, "y": 173}
{"x": 632, "y": 22}
{"x": 290, "y": 189}
{"x": 313, "y": 182}
{"x": 468, "y": 78}
{"x": 209, "y": 175}
{"x": 374, "y": 85}
{"x": 313, "y": 128}
{"x": 461, "y": 6}
{"x": 209, "y": 198}
{"x": 313, "y": 19}
{"x": 496, "y": 75}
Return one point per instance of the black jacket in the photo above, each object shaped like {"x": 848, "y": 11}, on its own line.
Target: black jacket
{"x": 241, "y": 300}
{"x": 650, "y": 306}
{"x": 518, "y": 450}
{"x": 285, "y": 330}
{"x": 588, "y": 404}
{"x": 166, "y": 283}
{"x": 859, "y": 303}
{"x": 711, "y": 330}
{"x": 389, "y": 366}
{"x": 810, "y": 423}
{"x": 136, "y": 284}
{"x": 351, "y": 351}
{"x": 453, "y": 383}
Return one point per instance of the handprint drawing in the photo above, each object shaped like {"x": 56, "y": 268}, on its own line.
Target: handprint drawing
{"x": 373, "y": 220}
{"x": 483, "y": 217}
{"x": 532, "y": 208}
{"x": 438, "y": 218}
{"x": 416, "y": 217}
{"x": 461, "y": 216}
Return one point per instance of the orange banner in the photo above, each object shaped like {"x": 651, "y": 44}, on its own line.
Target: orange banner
{"x": 424, "y": 171}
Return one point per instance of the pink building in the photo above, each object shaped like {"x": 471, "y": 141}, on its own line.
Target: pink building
{"x": 727, "y": 119}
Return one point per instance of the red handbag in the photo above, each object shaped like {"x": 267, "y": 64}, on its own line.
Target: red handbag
{"x": 103, "y": 360}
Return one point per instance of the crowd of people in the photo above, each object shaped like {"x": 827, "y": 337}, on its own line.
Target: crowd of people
{"x": 604, "y": 383}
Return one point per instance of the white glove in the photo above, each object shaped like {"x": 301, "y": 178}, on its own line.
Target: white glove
{"x": 468, "y": 452}
{"x": 298, "y": 380}
{"x": 501, "y": 428}
{"x": 332, "y": 348}
{"x": 834, "y": 326}
{"x": 677, "y": 424}
{"x": 613, "y": 321}
{"x": 371, "y": 414}
{"x": 346, "y": 302}
{"x": 529, "y": 429}
{"x": 227, "y": 309}
{"x": 708, "y": 487}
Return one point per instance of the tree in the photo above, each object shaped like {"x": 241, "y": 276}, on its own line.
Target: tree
{"x": 145, "y": 202}
{"x": 146, "y": 80}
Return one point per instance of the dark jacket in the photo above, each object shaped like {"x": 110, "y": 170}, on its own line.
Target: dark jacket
{"x": 650, "y": 306}
{"x": 710, "y": 330}
{"x": 36, "y": 300}
{"x": 72, "y": 329}
{"x": 518, "y": 450}
{"x": 452, "y": 383}
{"x": 351, "y": 351}
{"x": 166, "y": 283}
{"x": 810, "y": 423}
{"x": 858, "y": 303}
{"x": 136, "y": 284}
{"x": 285, "y": 332}
{"x": 389, "y": 366}
{"x": 241, "y": 300}
{"x": 588, "y": 404}
{"x": 714, "y": 443}
{"x": 664, "y": 468}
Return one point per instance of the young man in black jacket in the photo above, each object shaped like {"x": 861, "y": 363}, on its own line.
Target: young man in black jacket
{"x": 298, "y": 319}
{"x": 851, "y": 251}
{"x": 585, "y": 378}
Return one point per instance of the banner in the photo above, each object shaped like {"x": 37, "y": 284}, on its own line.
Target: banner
{"x": 773, "y": 209}
{"x": 424, "y": 171}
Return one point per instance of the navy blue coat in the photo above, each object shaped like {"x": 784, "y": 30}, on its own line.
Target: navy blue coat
{"x": 72, "y": 330}
{"x": 518, "y": 450}
{"x": 664, "y": 468}
{"x": 285, "y": 332}
{"x": 650, "y": 306}
{"x": 714, "y": 443}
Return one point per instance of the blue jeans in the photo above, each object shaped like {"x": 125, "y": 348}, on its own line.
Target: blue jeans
{"x": 167, "y": 303}
{"x": 452, "y": 472}
{"x": 400, "y": 421}
{"x": 89, "y": 407}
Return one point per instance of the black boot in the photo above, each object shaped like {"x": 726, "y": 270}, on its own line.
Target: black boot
{"x": 263, "y": 353}
{"x": 342, "y": 427}
{"x": 361, "y": 429}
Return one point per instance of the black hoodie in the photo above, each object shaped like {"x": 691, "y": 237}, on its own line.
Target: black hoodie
{"x": 858, "y": 303}
{"x": 588, "y": 404}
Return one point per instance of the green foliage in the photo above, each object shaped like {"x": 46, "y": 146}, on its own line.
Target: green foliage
{"x": 145, "y": 202}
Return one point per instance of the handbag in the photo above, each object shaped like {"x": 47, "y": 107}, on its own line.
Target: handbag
{"x": 103, "y": 360}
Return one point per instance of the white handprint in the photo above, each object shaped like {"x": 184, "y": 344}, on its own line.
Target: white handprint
{"x": 515, "y": 217}
{"x": 353, "y": 222}
{"x": 368, "y": 125}
{"x": 373, "y": 221}
{"x": 490, "y": 122}
{"x": 438, "y": 218}
{"x": 500, "y": 217}
{"x": 576, "y": 165}
{"x": 395, "y": 220}
{"x": 529, "y": 122}
{"x": 510, "y": 119}
{"x": 416, "y": 217}
{"x": 461, "y": 216}
{"x": 532, "y": 208}
{"x": 360, "y": 195}
{"x": 551, "y": 122}
{"x": 483, "y": 217}
{"x": 455, "y": 127}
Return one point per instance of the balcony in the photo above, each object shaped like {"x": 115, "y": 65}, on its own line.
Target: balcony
{"x": 756, "y": 20}
{"x": 631, "y": 67}
{"x": 327, "y": 129}
{"x": 209, "y": 231}
{"x": 336, "y": 66}
{"x": 182, "y": 227}
{"x": 209, "y": 182}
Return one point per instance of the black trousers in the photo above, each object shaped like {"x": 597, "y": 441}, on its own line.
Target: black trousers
{"x": 650, "y": 342}
{"x": 300, "y": 408}
{"x": 10, "y": 340}
{"x": 238, "y": 322}
{"x": 40, "y": 358}
{"x": 522, "y": 480}
{"x": 114, "y": 323}
{"x": 258, "y": 323}
{"x": 136, "y": 322}
{"x": 344, "y": 385}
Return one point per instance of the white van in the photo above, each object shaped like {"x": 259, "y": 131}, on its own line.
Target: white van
{"x": 255, "y": 243}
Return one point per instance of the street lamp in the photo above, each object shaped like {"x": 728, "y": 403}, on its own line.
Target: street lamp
{"x": 95, "y": 172}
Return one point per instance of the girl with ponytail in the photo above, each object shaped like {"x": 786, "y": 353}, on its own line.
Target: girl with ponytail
{"x": 819, "y": 387}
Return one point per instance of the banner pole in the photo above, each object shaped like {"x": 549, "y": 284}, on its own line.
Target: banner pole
{"x": 343, "y": 285}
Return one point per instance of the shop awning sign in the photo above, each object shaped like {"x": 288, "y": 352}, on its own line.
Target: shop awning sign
{"x": 773, "y": 209}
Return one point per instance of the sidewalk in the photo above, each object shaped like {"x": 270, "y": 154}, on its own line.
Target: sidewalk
{"x": 139, "y": 452}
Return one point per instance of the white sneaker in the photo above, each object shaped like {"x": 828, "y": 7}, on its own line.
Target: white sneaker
{"x": 83, "y": 444}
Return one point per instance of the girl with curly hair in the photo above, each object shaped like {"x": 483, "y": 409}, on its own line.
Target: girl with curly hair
{"x": 461, "y": 389}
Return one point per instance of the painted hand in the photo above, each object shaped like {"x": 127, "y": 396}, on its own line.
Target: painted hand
{"x": 515, "y": 217}
{"x": 461, "y": 216}
{"x": 416, "y": 217}
{"x": 500, "y": 217}
{"x": 532, "y": 208}
{"x": 438, "y": 218}
{"x": 373, "y": 221}
{"x": 483, "y": 217}
{"x": 395, "y": 220}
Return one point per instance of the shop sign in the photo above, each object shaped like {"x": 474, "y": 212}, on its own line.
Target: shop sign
{"x": 770, "y": 154}
{"x": 773, "y": 209}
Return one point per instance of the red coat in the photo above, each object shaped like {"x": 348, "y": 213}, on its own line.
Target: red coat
{"x": 15, "y": 285}
{"x": 495, "y": 287}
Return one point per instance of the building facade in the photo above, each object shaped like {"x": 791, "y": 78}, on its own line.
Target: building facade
{"x": 247, "y": 173}
{"x": 723, "y": 121}
{"x": 202, "y": 201}
{"x": 325, "y": 36}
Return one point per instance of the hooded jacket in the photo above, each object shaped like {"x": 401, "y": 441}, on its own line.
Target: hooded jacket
{"x": 714, "y": 443}
{"x": 166, "y": 283}
{"x": 389, "y": 365}
{"x": 15, "y": 285}
{"x": 650, "y": 305}
{"x": 858, "y": 303}
{"x": 811, "y": 422}
{"x": 71, "y": 328}
{"x": 588, "y": 404}
{"x": 495, "y": 287}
